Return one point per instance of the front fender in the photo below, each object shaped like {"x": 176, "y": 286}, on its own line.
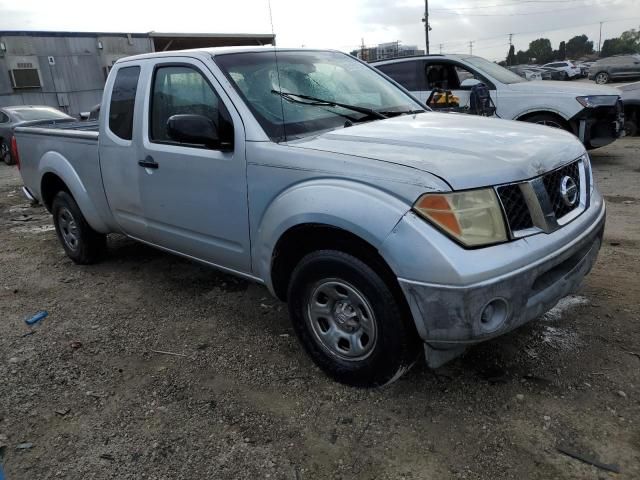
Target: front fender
{"x": 358, "y": 208}
{"x": 57, "y": 164}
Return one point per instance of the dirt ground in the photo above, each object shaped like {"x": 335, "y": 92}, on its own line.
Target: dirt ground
{"x": 83, "y": 395}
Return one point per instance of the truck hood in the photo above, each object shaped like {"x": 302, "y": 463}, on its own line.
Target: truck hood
{"x": 550, "y": 87}
{"x": 464, "y": 150}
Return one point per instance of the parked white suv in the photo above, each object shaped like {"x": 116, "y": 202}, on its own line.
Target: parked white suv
{"x": 591, "y": 112}
{"x": 567, "y": 67}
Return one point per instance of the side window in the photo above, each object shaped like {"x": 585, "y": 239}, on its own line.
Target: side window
{"x": 123, "y": 98}
{"x": 184, "y": 90}
{"x": 3, "y": 118}
{"x": 442, "y": 75}
{"x": 405, "y": 73}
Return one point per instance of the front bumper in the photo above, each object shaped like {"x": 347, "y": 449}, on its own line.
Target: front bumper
{"x": 449, "y": 317}
{"x": 600, "y": 126}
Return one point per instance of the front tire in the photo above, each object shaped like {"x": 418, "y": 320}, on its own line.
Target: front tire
{"x": 547, "y": 119}
{"x": 81, "y": 243}
{"x": 349, "y": 320}
{"x": 5, "y": 153}
{"x": 602, "y": 78}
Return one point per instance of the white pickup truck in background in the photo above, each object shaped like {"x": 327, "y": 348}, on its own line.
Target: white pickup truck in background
{"x": 591, "y": 112}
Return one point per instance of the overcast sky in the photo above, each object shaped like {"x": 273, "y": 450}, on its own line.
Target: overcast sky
{"x": 341, "y": 24}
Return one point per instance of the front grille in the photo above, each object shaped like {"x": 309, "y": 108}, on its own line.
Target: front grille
{"x": 515, "y": 207}
{"x": 537, "y": 205}
{"x": 552, "y": 183}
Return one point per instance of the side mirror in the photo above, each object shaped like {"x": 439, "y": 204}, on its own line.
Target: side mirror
{"x": 194, "y": 129}
{"x": 468, "y": 83}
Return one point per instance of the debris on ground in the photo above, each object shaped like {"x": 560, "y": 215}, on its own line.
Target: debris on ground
{"x": 586, "y": 459}
{"x": 36, "y": 318}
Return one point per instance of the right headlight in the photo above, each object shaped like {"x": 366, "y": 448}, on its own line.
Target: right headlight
{"x": 473, "y": 218}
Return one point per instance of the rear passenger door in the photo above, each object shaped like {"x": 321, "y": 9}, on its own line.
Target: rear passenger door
{"x": 119, "y": 151}
{"x": 194, "y": 197}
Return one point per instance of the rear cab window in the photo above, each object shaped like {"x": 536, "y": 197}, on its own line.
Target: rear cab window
{"x": 123, "y": 99}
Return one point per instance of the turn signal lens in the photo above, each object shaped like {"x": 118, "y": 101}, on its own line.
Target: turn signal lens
{"x": 473, "y": 218}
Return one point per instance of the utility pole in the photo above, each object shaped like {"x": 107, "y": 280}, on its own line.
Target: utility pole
{"x": 441, "y": 49}
{"x": 362, "y": 47}
{"x": 600, "y": 39}
{"x": 427, "y": 27}
{"x": 471, "y": 46}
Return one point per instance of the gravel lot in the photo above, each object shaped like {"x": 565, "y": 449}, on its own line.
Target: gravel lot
{"x": 83, "y": 395}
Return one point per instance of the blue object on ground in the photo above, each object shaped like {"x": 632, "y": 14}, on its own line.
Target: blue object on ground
{"x": 32, "y": 321}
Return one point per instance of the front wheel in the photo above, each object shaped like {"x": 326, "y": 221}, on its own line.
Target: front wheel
{"x": 547, "y": 119}
{"x": 5, "y": 153}
{"x": 81, "y": 243}
{"x": 602, "y": 78}
{"x": 349, "y": 320}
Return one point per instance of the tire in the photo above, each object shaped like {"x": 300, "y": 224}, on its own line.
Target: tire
{"x": 81, "y": 243}
{"x": 547, "y": 119}
{"x": 601, "y": 78}
{"x": 5, "y": 153}
{"x": 630, "y": 128}
{"x": 565, "y": 76}
{"x": 331, "y": 291}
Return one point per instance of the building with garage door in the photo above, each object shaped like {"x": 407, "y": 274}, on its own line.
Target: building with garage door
{"x": 67, "y": 70}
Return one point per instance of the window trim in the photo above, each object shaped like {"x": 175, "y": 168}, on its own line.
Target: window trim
{"x": 157, "y": 67}
{"x": 127, "y": 141}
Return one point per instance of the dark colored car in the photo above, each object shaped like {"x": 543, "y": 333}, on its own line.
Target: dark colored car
{"x": 23, "y": 115}
{"x": 631, "y": 100}
{"x": 620, "y": 67}
{"x": 549, "y": 73}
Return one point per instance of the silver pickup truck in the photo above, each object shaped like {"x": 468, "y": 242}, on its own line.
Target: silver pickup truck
{"x": 386, "y": 228}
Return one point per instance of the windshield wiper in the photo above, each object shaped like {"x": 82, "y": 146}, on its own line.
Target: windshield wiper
{"x": 328, "y": 103}
{"x": 402, "y": 112}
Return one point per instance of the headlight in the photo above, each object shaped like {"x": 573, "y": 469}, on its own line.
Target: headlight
{"x": 593, "y": 101}
{"x": 473, "y": 218}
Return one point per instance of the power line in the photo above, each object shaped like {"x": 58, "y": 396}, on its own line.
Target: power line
{"x": 524, "y": 14}
{"x": 506, "y": 5}
{"x": 530, "y": 32}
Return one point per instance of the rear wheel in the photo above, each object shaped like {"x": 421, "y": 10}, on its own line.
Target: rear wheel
{"x": 547, "y": 119}
{"x": 81, "y": 243}
{"x": 349, "y": 321}
{"x": 602, "y": 78}
{"x": 630, "y": 128}
{"x": 5, "y": 153}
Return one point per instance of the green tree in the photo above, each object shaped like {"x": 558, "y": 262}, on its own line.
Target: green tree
{"x": 522, "y": 57}
{"x": 541, "y": 50}
{"x": 561, "y": 54}
{"x": 511, "y": 56}
{"x": 628, "y": 42}
{"x": 579, "y": 46}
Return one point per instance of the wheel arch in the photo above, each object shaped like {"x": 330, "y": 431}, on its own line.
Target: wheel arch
{"x": 56, "y": 174}
{"x": 322, "y": 208}
{"x": 525, "y": 116}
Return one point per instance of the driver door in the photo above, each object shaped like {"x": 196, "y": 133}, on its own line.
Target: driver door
{"x": 194, "y": 197}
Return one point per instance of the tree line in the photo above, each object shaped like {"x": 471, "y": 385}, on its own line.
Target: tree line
{"x": 541, "y": 51}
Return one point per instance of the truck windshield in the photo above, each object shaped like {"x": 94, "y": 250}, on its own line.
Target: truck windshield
{"x": 494, "y": 70}
{"x": 301, "y": 93}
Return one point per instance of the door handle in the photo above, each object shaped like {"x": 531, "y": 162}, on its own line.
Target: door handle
{"x": 148, "y": 162}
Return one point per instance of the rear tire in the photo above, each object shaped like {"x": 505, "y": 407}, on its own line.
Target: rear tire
{"x": 349, "y": 321}
{"x": 630, "y": 128}
{"x": 81, "y": 243}
{"x": 5, "y": 153}
{"x": 602, "y": 78}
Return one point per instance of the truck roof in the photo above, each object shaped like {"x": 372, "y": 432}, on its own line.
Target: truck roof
{"x": 213, "y": 51}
